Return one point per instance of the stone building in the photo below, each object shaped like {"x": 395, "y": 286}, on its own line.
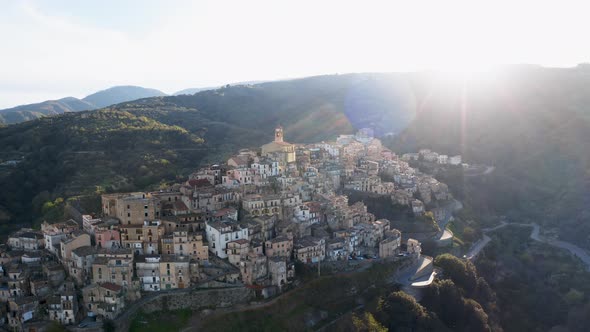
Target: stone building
{"x": 174, "y": 272}
{"x": 389, "y": 246}
{"x": 104, "y": 300}
{"x": 279, "y": 150}
{"x": 63, "y": 308}
{"x": 113, "y": 266}
{"x": 281, "y": 246}
{"x": 131, "y": 208}
{"x": 310, "y": 249}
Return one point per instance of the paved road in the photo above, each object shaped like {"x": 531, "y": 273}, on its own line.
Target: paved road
{"x": 477, "y": 247}
{"x": 449, "y": 209}
{"x": 488, "y": 170}
{"x": 535, "y": 235}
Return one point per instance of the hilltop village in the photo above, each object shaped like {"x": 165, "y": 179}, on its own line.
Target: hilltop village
{"x": 248, "y": 221}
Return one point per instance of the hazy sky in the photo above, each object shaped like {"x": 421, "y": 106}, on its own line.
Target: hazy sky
{"x": 57, "y": 48}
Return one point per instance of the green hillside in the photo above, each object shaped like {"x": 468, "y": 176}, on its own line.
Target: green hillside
{"x": 85, "y": 152}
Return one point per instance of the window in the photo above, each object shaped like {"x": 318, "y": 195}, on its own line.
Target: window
{"x": 128, "y": 214}
{"x": 145, "y": 207}
{"x": 128, "y": 207}
{"x": 146, "y": 214}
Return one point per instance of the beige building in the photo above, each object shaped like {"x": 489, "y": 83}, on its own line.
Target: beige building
{"x": 237, "y": 251}
{"x": 187, "y": 244}
{"x": 281, "y": 246}
{"x": 113, "y": 266}
{"x": 75, "y": 240}
{"x": 144, "y": 238}
{"x": 310, "y": 249}
{"x": 279, "y": 150}
{"x": 389, "y": 246}
{"x": 131, "y": 208}
{"x": 258, "y": 205}
{"x": 198, "y": 248}
{"x": 104, "y": 300}
{"x": 174, "y": 272}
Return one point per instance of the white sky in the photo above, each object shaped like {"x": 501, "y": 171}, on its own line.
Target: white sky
{"x": 57, "y": 48}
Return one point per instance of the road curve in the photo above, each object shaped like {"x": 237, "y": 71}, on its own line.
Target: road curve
{"x": 535, "y": 235}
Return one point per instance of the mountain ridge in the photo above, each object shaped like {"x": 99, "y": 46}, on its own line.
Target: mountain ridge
{"x": 100, "y": 99}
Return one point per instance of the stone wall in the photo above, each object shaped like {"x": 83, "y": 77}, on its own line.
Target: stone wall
{"x": 193, "y": 299}
{"x": 212, "y": 298}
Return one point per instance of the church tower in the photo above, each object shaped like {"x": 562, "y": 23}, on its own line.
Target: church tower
{"x": 279, "y": 134}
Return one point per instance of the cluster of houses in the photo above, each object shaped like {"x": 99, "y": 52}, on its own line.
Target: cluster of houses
{"x": 433, "y": 157}
{"x": 258, "y": 214}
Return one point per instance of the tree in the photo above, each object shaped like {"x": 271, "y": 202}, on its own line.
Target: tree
{"x": 108, "y": 325}
{"x": 399, "y": 310}
{"x": 56, "y": 327}
{"x": 367, "y": 323}
{"x": 462, "y": 273}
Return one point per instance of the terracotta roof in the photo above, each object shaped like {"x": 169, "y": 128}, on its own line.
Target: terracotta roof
{"x": 111, "y": 286}
{"x": 180, "y": 206}
{"x": 199, "y": 183}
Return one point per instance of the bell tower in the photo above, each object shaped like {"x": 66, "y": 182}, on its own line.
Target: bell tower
{"x": 279, "y": 134}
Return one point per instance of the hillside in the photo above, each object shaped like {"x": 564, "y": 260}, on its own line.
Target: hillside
{"x": 119, "y": 94}
{"x": 533, "y": 124}
{"x": 192, "y": 91}
{"x": 86, "y": 152}
{"x": 46, "y": 108}
{"x": 96, "y": 100}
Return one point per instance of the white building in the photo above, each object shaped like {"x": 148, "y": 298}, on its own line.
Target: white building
{"x": 148, "y": 272}
{"x": 266, "y": 168}
{"x": 443, "y": 159}
{"x": 219, "y": 233}
{"x": 455, "y": 160}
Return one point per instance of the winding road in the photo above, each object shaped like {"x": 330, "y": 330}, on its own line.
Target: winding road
{"x": 535, "y": 235}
